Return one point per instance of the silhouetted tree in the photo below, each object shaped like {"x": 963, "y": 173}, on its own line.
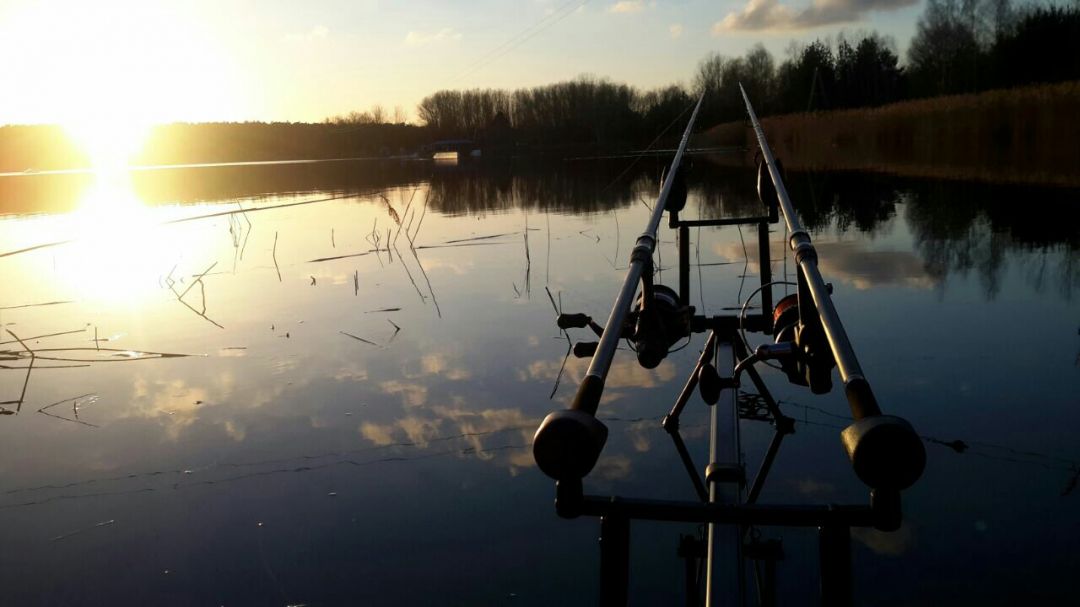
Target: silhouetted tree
{"x": 867, "y": 73}
{"x": 808, "y": 81}
{"x": 658, "y": 108}
{"x": 944, "y": 54}
{"x": 718, "y": 78}
{"x": 441, "y": 111}
{"x": 1043, "y": 45}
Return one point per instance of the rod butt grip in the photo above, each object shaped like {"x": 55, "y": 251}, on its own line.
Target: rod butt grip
{"x": 568, "y": 443}
{"x": 885, "y": 452}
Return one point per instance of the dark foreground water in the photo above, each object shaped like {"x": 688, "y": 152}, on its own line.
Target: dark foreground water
{"x": 356, "y": 430}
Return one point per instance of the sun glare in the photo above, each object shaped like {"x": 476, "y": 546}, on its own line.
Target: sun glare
{"x": 110, "y": 144}
{"x": 119, "y": 251}
{"x": 109, "y": 71}
{"x": 113, "y": 254}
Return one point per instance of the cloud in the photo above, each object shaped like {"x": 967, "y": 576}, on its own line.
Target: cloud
{"x": 475, "y": 428}
{"x": 612, "y": 467}
{"x": 378, "y": 434}
{"x": 419, "y": 430}
{"x": 640, "y": 435}
{"x": 446, "y": 34}
{"x": 627, "y": 6}
{"x": 760, "y": 15}
{"x": 413, "y": 394}
{"x": 623, "y": 373}
{"x": 174, "y": 403}
{"x": 476, "y": 424}
{"x": 439, "y": 364}
{"x": 853, "y": 264}
{"x": 675, "y": 30}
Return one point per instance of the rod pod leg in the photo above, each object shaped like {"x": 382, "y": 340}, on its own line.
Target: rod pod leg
{"x": 834, "y": 542}
{"x": 614, "y": 561}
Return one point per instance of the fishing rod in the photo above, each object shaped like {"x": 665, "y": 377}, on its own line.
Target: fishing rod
{"x": 808, "y": 341}
{"x": 885, "y": 451}
{"x": 568, "y": 443}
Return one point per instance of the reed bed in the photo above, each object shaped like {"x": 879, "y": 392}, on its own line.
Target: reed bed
{"x": 1022, "y": 135}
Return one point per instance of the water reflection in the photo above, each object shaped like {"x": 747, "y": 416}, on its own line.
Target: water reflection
{"x": 389, "y": 393}
{"x": 958, "y": 227}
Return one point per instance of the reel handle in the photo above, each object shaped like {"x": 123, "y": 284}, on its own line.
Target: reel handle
{"x": 585, "y": 349}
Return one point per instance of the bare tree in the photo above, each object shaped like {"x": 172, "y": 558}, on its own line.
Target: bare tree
{"x": 378, "y": 114}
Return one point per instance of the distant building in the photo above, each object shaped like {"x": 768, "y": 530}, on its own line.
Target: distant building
{"x": 463, "y": 147}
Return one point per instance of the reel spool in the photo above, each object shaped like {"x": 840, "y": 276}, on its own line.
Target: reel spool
{"x": 766, "y": 190}
{"x": 813, "y": 363}
{"x": 660, "y": 325}
{"x": 676, "y": 199}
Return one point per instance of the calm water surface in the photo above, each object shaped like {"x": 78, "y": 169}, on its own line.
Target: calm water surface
{"x": 356, "y": 430}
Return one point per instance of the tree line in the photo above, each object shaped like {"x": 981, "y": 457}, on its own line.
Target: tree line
{"x": 960, "y": 46}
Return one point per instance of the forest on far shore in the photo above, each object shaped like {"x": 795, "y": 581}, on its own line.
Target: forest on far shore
{"x": 960, "y": 46}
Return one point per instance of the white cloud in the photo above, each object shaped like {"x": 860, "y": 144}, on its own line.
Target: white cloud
{"x": 413, "y": 394}
{"x": 854, "y": 264}
{"x": 675, "y": 30}
{"x": 760, "y": 15}
{"x": 446, "y": 34}
{"x": 379, "y": 434}
{"x": 627, "y": 6}
{"x": 439, "y": 364}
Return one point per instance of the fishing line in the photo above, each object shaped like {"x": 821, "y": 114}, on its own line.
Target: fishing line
{"x": 960, "y": 446}
{"x": 746, "y": 265}
{"x": 648, "y": 147}
{"x": 742, "y": 316}
{"x": 520, "y": 38}
{"x": 697, "y": 258}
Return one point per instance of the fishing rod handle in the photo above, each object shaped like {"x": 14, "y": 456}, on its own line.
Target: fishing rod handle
{"x": 568, "y": 442}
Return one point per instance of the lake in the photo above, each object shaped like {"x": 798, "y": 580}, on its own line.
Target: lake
{"x": 234, "y": 401}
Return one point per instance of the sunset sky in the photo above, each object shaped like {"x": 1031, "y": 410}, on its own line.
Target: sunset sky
{"x": 75, "y": 62}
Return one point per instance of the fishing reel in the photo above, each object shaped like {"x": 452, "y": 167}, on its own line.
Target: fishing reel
{"x": 765, "y": 189}
{"x": 811, "y": 362}
{"x": 676, "y": 199}
{"x": 659, "y": 323}
{"x": 654, "y": 325}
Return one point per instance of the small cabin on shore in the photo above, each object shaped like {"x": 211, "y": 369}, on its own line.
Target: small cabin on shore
{"x": 447, "y": 148}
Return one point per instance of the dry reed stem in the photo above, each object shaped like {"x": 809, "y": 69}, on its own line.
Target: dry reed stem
{"x": 273, "y": 254}
{"x": 36, "y": 305}
{"x": 357, "y": 338}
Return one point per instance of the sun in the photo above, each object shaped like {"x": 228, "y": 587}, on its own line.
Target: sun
{"x": 111, "y": 143}
{"x": 109, "y": 71}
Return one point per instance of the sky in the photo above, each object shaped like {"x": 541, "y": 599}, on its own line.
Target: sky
{"x": 115, "y": 61}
